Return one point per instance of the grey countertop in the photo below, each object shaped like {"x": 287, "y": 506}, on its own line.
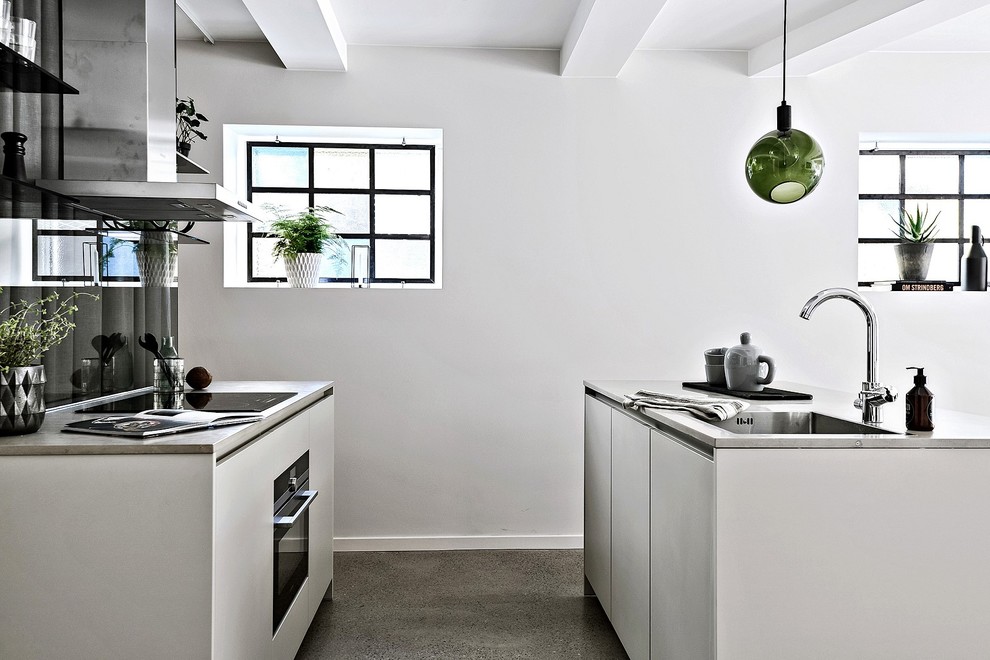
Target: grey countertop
{"x": 955, "y": 430}
{"x": 50, "y": 440}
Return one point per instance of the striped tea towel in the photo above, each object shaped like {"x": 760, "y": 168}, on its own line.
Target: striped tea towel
{"x": 712, "y": 410}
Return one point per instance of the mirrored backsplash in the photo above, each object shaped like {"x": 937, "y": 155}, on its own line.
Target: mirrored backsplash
{"x": 101, "y": 355}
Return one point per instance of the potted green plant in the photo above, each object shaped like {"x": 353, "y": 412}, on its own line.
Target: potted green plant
{"x": 26, "y": 332}
{"x": 302, "y": 240}
{"x": 917, "y": 234}
{"x": 187, "y": 123}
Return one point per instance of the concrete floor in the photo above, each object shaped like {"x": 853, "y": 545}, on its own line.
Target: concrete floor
{"x": 460, "y": 604}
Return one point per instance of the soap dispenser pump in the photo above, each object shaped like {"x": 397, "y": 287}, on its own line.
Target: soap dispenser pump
{"x": 919, "y": 404}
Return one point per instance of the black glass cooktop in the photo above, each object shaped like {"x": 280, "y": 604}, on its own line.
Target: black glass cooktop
{"x": 210, "y": 401}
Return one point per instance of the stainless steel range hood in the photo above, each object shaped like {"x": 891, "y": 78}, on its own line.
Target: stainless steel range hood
{"x": 119, "y": 132}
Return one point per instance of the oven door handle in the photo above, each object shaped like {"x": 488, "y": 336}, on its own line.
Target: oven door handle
{"x": 289, "y": 521}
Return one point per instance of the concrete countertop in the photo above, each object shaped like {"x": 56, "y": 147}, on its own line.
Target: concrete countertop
{"x": 50, "y": 440}
{"x": 953, "y": 430}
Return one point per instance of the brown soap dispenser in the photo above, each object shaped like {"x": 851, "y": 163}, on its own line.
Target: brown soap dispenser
{"x": 919, "y": 404}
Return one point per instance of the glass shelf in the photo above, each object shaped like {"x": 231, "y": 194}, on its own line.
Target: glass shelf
{"x": 22, "y": 75}
{"x": 131, "y": 231}
{"x": 185, "y": 166}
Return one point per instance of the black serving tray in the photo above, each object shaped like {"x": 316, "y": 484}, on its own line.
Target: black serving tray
{"x": 768, "y": 393}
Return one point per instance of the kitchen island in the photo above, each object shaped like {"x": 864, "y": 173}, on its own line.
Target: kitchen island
{"x": 161, "y": 548}
{"x": 701, "y": 542}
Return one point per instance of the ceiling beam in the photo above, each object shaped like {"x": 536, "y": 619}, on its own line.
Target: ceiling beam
{"x": 604, "y": 34}
{"x": 855, "y": 29}
{"x": 195, "y": 20}
{"x": 305, "y": 34}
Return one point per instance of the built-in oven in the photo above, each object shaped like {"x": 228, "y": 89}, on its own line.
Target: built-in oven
{"x": 291, "y": 536}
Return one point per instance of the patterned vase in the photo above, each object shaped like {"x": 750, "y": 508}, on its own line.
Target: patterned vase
{"x": 157, "y": 261}
{"x": 303, "y": 270}
{"x": 22, "y": 400}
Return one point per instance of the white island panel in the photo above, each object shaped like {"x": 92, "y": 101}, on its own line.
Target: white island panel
{"x": 852, "y": 553}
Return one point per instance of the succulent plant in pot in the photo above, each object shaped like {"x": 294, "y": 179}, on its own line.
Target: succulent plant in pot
{"x": 27, "y": 331}
{"x": 917, "y": 234}
{"x": 301, "y": 241}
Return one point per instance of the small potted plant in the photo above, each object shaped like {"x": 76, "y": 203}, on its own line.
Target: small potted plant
{"x": 917, "y": 234}
{"x": 187, "y": 123}
{"x": 26, "y": 332}
{"x": 302, "y": 240}
{"x": 156, "y": 252}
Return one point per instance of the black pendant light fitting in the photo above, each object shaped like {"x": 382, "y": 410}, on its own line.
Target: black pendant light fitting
{"x": 784, "y": 165}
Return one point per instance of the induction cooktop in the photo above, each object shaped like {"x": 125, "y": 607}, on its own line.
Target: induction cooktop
{"x": 209, "y": 401}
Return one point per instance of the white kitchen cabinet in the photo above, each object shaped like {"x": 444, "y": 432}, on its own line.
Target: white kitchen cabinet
{"x": 160, "y": 549}
{"x": 598, "y": 500}
{"x": 682, "y": 550}
{"x": 243, "y": 541}
{"x": 631, "y": 534}
{"x": 656, "y": 544}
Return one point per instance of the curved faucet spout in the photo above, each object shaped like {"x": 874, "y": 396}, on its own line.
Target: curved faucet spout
{"x": 871, "y": 322}
{"x": 873, "y": 394}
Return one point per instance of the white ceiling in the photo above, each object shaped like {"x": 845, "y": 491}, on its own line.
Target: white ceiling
{"x": 820, "y": 32}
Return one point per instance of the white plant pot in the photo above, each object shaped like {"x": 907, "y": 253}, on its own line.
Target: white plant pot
{"x": 303, "y": 270}
{"x": 157, "y": 261}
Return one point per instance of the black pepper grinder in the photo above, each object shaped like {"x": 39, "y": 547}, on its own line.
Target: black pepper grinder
{"x": 13, "y": 155}
{"x": 975, "y": 270}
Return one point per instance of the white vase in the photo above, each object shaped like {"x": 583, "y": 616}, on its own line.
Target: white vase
{"x": 303, "y": 270}
{"x": 157, "y": 259}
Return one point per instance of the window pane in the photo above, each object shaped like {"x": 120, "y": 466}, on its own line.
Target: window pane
{"x": 288, "y": 203}
{"x": 879, "y": 175}
{"x": 280, "y": 167}
{"x": 402, "y": 259}
{"x": 341, "y": 267}
{"x": 65, "y": 256}
{"x": 931, "y": 174}
{"x": 118, "y": 257}
{"x": 356, "y": 210}
{"x": 977, "y": 213}
{"x": 945, "y": 263}
{"x": 977, "y": 175}
{"x": 402, "y": 214}
{"x": 398, "y": 169}
{"x": 877, "y": 262}
{"x": 264, "y": 264}
{"x": 341, "y": 168}
{"x": 875, "y": 218}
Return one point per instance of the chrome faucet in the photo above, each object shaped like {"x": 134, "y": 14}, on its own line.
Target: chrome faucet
{"x": 873, "y": 394}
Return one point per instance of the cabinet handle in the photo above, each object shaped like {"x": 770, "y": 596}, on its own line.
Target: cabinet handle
{"x": 289, "y": 521}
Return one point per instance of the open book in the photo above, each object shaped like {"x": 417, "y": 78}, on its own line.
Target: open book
{"x": 159, "y": 422}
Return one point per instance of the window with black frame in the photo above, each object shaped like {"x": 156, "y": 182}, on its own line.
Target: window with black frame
{"x": 386, "y": 196}
{"x": 81, "y": 251}
{"x": 950, "y": 186}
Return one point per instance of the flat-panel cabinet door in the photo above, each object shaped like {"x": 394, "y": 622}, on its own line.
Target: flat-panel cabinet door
{"x": 631, "y": 534}
{"x": 598, "y": 498}
{"x": 682, "y": 511}
{"x": 321, "y": 513}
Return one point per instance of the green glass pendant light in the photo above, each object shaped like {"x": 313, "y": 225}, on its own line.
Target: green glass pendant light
{"x": 786, "y": 164}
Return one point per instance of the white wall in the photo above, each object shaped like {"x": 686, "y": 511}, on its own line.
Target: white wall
{"x": 592, "y": 229}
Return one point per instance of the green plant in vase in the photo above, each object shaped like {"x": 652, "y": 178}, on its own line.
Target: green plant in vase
{"x": 27, "y": 331}
{"x": 301, "y": 241}
{"x": 187, "y": 125}
{"x": 917, "y": 234}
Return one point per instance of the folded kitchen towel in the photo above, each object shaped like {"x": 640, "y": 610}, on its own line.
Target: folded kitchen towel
{"x": 707, "y": 408}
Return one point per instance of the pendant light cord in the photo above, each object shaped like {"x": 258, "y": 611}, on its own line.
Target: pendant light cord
{"x": 784, "y": 81}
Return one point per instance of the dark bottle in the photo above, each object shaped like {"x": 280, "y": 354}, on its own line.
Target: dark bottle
{"x": 13, "y": 155}
{"x": 919, "y": 404}
{"x": 975, "y": 265}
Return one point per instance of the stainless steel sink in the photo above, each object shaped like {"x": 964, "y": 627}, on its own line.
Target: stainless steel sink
{"x": 796, "y": 423}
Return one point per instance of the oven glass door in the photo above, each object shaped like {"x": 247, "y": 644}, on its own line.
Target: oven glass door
{"x": 291, "y": 545}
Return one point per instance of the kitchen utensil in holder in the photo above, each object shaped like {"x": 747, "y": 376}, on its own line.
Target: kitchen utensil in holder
{"x": 167, "y": 375}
